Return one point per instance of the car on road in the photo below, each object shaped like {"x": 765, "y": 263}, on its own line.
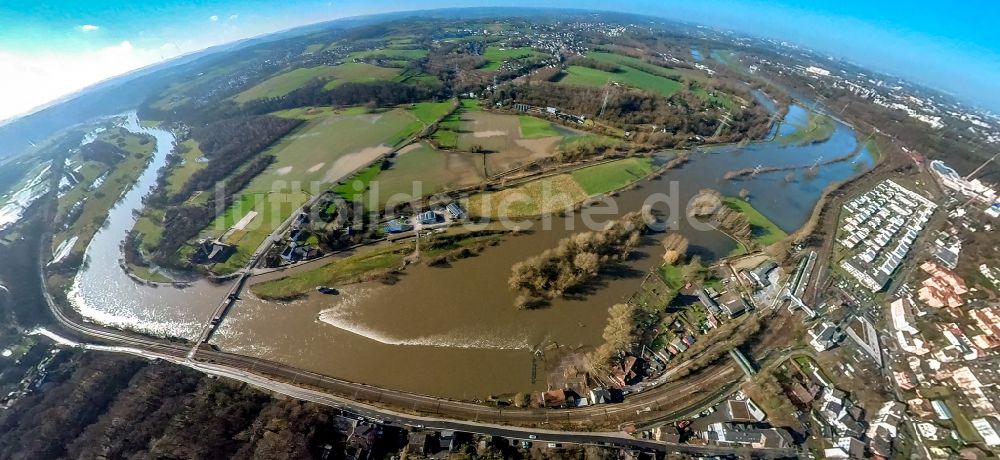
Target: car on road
{"x": 531, "y": 436}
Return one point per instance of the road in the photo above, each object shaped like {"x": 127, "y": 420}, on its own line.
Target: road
{"x": 483, "y": 420}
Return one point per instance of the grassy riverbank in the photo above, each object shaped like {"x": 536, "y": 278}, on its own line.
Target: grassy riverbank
{"x": 559, "y": 192}
{"x": 373, "y": 262}
{"x": 819, "y": 127}
{"x": 763, "y": 230}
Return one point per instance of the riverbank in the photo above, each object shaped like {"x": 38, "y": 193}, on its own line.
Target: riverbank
{"x": 381, "y": 261}
{"x": 819, "y": 127}
{"x": 763, "y": 230}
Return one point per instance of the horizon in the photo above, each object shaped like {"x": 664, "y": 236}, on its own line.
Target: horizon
{"x": 96, "y": 44}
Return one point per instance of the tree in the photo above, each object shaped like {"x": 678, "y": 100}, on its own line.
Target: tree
{"x": 522, "y": 400}
{"x": 693, "y": 271}
{"x": 676, "y": 247}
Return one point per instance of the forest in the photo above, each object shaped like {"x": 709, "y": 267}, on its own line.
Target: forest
{"x": 676, "y": 120}
{"x": 96, "y": 405}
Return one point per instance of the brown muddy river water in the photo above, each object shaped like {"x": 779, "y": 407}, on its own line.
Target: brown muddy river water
{"x": 454, "y": 331}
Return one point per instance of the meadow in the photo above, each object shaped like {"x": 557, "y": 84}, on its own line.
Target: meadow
{"x": 180, "y": 174}
{"x": 762, "y": 229}
{"x": 586, "y": 76}
{"x": 433, "y": 169}
{"x": 611, "y": 176}
{"x": 284, "y": 83}
{"x": 495, "y": 56}
{"x": 535, "y": 128}
{"x": 308, "y": 161}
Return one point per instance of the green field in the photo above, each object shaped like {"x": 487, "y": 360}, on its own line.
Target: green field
{"x": 542, "y": 196}
{"x": 367, "y": 262}
{"x": 327, "y": 148}
{"x": 359, "y": 72}
{"x": 315, "y": 48}
{"x": 638, "y": 64}
{"x": 495, "y": 56}
{"x": 432, "y": 169}
{"x": 402, "y": 54}
{"x": 336, "y": 272}
{"x": 284, "y": 83}
{"x": 430, "y": 112}
{"x": 150, "y": 226}
{"x": 354, "y": 187}
{"x": 534, "y": 128}
{"x": 470, "y": 105}
{"x": 629, "y": 76}
{"x": 764, "y": 231}
{"x": 180, "y": 174}
{"x": 672, "y": 276}
{"x": 308, "y": 161}
{"x": 643, "y": 75}
{"x": 272, "y": 209}
{"x": 612, "y": 176}
{"x": 819, "y": 127}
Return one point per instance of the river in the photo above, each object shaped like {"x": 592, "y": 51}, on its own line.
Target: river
{"x": 104, "y": 293}
{"x": 449, "y": 331}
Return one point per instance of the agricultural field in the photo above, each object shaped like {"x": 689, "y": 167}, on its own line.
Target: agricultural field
{"x": 312, "y": 113}
{"x": 629, "y": 76}
{"x": 328, "y": 148}
{"x": 399, "y": 54}
{"x": 559, "y": 192}
{"x": 495, "y": 56}
{"x": 542, "y": 196}
{"x": 368, "y": 262}
{"x": 643, "y": 75}
{"x": 430, "y": 112}
{"x": 271, "y": 209}
{"x": 535, "y": 128}
{"x": 359, "y": 72}
{"x": 337, "y": 272}
{"x": 284, "y": 83}
{"x": 763, "y": 230}
{"x": 433, "y": 169}
{"x": 500, "y": 139}
{"x": 611, "y": 176}
{"x": 308, "y": 161}
{"x": 446, "y": 135}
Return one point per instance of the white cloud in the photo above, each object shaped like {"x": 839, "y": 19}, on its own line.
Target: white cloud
{"x": 213, "y": 18}
{"x": 32, "y": 80}
{"x": 233, "y": 17}
{"x": 87, "y": 28}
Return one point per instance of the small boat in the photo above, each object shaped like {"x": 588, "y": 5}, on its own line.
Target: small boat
{"x": 328, "y": 290}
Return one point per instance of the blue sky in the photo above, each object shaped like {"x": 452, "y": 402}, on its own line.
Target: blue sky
{"x": 51, "y": 48}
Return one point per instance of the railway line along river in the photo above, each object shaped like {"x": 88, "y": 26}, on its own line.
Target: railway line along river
{"x": 454, "y": 331}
